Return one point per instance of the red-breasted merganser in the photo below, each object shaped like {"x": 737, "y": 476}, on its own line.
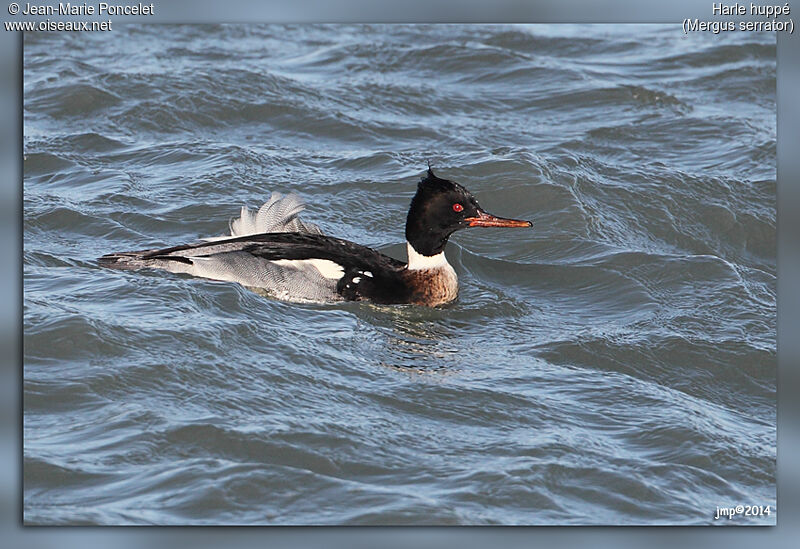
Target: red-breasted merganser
{"x": 275, "y": 252}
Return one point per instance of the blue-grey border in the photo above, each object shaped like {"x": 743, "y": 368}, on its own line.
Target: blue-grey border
{"x": 440, "y": 11}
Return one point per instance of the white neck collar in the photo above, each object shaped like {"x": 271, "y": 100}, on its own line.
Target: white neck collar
{"x": 417, "y": 261}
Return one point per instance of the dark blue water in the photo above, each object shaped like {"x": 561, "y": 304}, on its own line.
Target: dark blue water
{"x": 615, "y": 365}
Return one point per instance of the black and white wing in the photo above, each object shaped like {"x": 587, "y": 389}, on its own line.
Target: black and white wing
{"x": 301, "y": 265}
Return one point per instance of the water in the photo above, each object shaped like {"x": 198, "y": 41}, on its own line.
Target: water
{"x": 614, "y": 365}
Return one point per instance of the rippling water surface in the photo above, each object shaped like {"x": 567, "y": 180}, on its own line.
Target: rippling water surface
{"x": 617, "y": 364}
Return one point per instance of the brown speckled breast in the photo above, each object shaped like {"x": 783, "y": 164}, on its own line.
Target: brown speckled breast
{"x": 432, "y": 287}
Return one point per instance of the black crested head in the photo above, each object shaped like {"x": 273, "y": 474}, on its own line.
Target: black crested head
{"x": 439, "y": 208}
{"x": 442, "y": 207}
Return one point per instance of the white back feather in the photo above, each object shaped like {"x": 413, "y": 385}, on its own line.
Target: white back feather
{"x": 279, "y": 214}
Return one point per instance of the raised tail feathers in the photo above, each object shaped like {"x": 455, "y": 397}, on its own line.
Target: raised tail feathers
{"x": 279, "y": 214}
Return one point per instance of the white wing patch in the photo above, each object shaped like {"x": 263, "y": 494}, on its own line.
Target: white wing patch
{"x": 327, "y": 268}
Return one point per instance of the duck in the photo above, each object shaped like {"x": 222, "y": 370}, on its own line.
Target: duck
{"x": 275, "y": 252}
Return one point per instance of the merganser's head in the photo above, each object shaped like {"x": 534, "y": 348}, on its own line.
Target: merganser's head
{"x": 442, "y": 207}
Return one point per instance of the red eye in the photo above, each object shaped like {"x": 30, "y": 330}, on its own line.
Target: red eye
{"x": 458, "y": 207}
